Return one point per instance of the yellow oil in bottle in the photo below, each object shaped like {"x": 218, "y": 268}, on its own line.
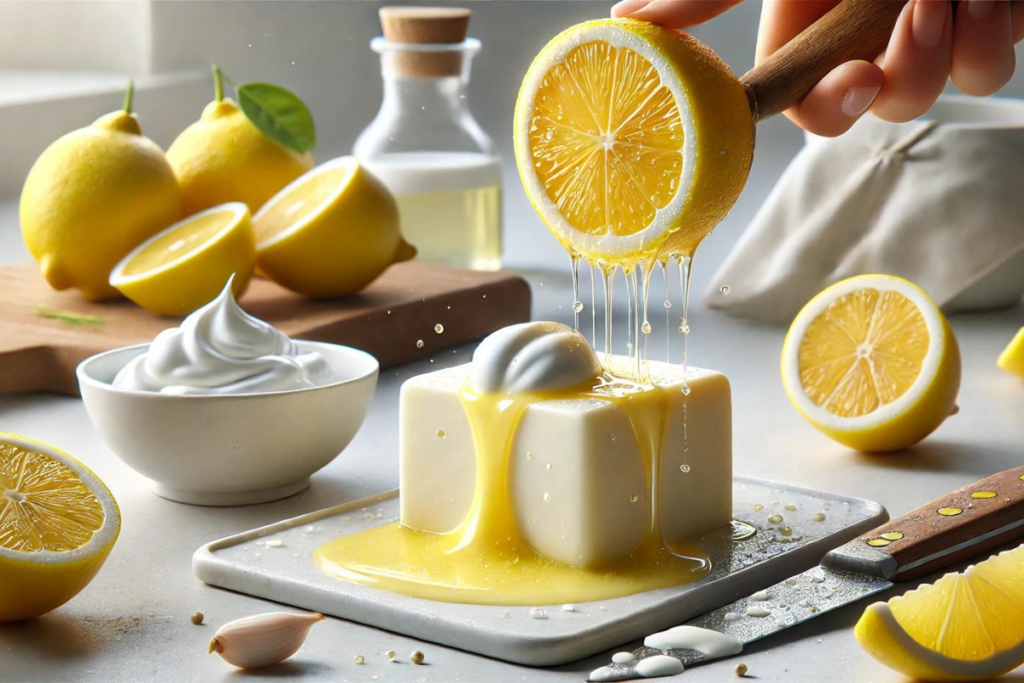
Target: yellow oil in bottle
{"x": 449, "y": 205}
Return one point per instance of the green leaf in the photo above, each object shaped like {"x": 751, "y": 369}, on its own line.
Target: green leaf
{"x": 279, "y": 114}
{"x": 70, "y": 318}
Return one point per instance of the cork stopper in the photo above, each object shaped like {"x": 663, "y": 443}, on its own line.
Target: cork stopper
{"x": 426, "y": 26}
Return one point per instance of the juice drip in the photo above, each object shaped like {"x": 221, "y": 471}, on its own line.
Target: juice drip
{"x": 608, "y": 276}
{"x": 577, "y": 305}
{"x": 593, "y": 308}
{"x": 668, "y": 313}
{"x": 485, "y": 560}
{"x": 684, "y": 261}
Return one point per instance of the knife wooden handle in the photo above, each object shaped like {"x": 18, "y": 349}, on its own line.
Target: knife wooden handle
{"x": 853, "y": 29}
{"x": 957, "y": 526}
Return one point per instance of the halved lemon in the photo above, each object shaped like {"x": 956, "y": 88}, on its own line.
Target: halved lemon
{"x": 58, "y": 523}
{"x": 965, "y": 627}
{"x": 185, "y": 266}
{"x": 633, "y": 141}
{"x": 1012, "y": 358}
{"x": 331, "y": 232}
{"x": 872, "y": 363}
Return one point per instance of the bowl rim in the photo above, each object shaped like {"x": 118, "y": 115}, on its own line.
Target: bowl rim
{"x": 83, "y": 376}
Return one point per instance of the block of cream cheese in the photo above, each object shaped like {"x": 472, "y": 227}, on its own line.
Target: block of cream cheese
{"x": 577, "y": 474}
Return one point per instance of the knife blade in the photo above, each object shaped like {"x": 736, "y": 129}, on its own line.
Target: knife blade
{"x": 960, "y": 525}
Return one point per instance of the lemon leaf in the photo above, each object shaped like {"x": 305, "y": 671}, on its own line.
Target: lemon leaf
{"x": 279, "y": 114}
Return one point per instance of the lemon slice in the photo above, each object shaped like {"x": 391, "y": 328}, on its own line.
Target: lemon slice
{"x": 58, "y": 523}
{"x": 873, "y": 363}
{"x": 185, "y": 266}
{"x": 331, "y": 232}
{"x": 965, "y": 627}
{"x": 1012, "y": 357}
{"x": 632, "y": 141}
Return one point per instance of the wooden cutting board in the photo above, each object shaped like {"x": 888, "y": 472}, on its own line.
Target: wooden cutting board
{"x": 40, "y": 353}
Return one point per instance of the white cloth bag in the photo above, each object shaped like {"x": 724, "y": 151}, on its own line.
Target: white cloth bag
{"x": 939, "y": 201}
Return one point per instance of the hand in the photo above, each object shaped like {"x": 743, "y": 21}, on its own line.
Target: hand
{"x": 928, "y": 45}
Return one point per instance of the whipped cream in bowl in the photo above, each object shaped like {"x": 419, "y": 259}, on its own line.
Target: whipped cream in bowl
{"x": 221, "y": 349}
{"x": 225, "y": 409}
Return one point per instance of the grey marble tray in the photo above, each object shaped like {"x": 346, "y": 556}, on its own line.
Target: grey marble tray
{"x": 286, "y": 573}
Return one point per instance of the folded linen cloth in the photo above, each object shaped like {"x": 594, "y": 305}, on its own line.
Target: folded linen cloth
{"x": 939, "y": 201}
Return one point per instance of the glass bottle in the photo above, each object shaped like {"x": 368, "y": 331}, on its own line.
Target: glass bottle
{"x": 425, "y": 144}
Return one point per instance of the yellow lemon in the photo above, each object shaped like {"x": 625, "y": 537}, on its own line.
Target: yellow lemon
{"x": 186, "y": 266}
{"x": 58, "y": 523}
{"x": 872, "y": 363}
{"x": 1012, "y": 357}
{"x": 633, "y": 141}
{"x": 93, "y": 195}
{"x": 331, "y": 232}
{"x": 224, "y": 158}
{"x": 965, "y": 627}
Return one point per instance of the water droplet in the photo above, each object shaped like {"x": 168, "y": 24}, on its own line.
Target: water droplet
{"x": 731, "y": 616}
{"x": 668, "y": 304}
{"x": 984, "y": 494}
{"x": 613, "y": 437}
{"x": 819, "y": 517}
{"x": 684, "y": 328}
{"x": 577, "y": 306}
{"x": 538, "y": 613}
{"x": 878, "y": 542}
{"x": 775, "y": 519}
{"x": 529, "y": 456}
{"x": 684, "y": 468}
{"x": 439, "y": 328}
{"x": 419, "y": 343}
{"x": 547, "y": 497}
{"x": 547, "y": 466}
{"x": 790, "y": 507}
{"x": 359, "y": 659}
{"x": 633, "y": 497}
{"x": 786, "y": 530}
{"x": 949, "y": 512}
{"x": 758, "y": 507}
{"x": 440, "y": 433}
{"x": 725, "y": 289}
{"x": 391, "y": 655}
{"x": 686, "y": 390}
{"x": 646, "y": 327}
{"x": 892, "y": 535}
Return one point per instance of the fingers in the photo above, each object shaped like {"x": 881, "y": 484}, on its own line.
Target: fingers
{"x": 839, "y": 99}
{"x": 917, "y": 61}
{"x": 983, "y": 57}
{"x": 783, "y": 20}
{"x": 673, "y": 13}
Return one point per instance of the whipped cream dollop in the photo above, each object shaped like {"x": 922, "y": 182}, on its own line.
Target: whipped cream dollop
{"x": 537, "y": 356}
{"x": 221, "y": 349}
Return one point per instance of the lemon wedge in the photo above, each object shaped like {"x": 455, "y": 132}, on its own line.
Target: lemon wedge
{"x": 872, "y": 363}
{"x": 632, "y": 141}
{"x": 1012, "y": 357}
{"x": 331, "y": 232}
{"x": 965, "y": 627}
{"x": 185, "y": 266}
{"x": 58, "y": 523}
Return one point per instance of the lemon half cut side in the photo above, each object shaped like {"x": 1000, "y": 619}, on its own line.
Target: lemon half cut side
{"x": 58, "y": 523}
{"x": 632, "y": 141}
{"x": 186, "y": 265}
{"x": 872, "y": 362}
{"x": 964, "y": 627}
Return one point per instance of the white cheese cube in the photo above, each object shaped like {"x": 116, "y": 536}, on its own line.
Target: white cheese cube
{"x": 577, "y": 473}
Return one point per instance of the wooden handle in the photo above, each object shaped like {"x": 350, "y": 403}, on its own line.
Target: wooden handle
{"x": 958, "y": 526}
{"x": 853, "y": 29}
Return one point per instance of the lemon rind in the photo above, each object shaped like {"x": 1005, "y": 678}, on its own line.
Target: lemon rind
{"x": 118, "y": 279}
{"x": 651, "y": 237}
{"x": 351, "y": 164}
{"x": 104, "y": 537}
{"x": 890, "y": 411}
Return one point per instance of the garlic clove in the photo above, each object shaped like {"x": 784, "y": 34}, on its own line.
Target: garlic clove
{"x": 262, "y": 639}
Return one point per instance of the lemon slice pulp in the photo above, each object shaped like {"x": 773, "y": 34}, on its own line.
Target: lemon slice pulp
{"x": 872, "y": 362}
{"x": 965, "y": 627}
{"x": 58, "y": 523}
{"x": 186, "y": 265}
{"x": 632, "y": 141}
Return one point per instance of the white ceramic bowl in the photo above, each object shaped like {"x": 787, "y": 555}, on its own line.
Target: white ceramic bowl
{"x": 234, "y": 449}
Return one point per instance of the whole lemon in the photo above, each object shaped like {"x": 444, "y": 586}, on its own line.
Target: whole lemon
{"x": 91, "y": 197}
{"x": 224, "y": 158}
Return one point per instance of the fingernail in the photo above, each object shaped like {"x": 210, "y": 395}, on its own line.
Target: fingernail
{"x": 628, "y": 7}
{"x": 980, "y": 9}
{"x": 929, "y": 22}
{"x": 858, "y": 99}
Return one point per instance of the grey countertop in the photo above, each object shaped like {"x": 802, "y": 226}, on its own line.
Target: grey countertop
{"x": 132, "y": 622}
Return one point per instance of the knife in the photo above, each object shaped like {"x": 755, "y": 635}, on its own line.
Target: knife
{"x": 958, "y": 526}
